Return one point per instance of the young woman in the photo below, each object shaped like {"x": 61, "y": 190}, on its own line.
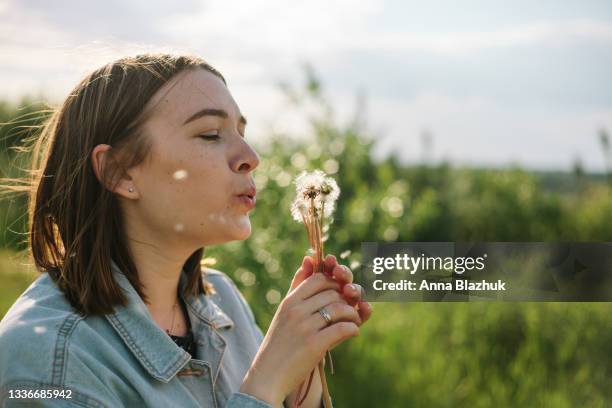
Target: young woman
{"x": 143, "y": 166}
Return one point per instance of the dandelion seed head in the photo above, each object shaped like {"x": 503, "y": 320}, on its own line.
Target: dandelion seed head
{"x": 314, "y": 188}
{"x": 329, "y": 195}
{"x": 306, "y": 181}
{"x": 330, "y": 189}
{"x": 310, "y": 192}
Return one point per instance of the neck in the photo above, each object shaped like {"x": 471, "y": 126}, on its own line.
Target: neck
{"x": 160, "y": 275}
{"x": 160, "y": 278}
{"x": 159, "y": 261}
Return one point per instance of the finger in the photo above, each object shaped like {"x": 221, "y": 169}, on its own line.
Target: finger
{"x": 342, "y": 274}
{"x": 365, "y": 311}
{"x": 302, "y": 273}
{"x": 328, "y": 264}
{"x": 352, "y": 293}
{"x": 336, "y": 333}
{"x": 315, "y": 283}
{"x": 338, "y": 312}
{"x": 319, "y": 300}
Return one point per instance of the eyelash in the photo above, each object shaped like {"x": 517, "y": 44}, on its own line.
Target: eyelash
{"x": 209, "y": 137}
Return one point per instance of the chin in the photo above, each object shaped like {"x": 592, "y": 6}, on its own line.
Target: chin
{"x": 241, "y": 229}
{"x": 234, "y": 236}
{"x": 243, "y": 234}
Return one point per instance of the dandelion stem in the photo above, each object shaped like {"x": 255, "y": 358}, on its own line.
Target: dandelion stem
{"x": 314, "y": 189}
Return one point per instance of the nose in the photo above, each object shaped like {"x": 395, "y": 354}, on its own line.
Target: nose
{"x": 247, "y": 159}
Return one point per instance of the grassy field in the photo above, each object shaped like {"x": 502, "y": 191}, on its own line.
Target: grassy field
{"x": 15, "y": 276}
{"x": 454, "y": 354}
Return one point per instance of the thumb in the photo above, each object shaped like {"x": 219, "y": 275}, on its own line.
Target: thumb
{"x": 306, "y": 269}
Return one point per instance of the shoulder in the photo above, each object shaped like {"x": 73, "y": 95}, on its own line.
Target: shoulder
{"x": 227, "y": 295}
{"x": 225, "y": 290}
{"x": 37, "y": 328}
{"x": 224, "y": 285}
{"x": 219, "y": 279}
{"x": 33, "y": 323}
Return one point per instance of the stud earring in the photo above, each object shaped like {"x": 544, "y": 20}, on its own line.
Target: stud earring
{"x": 131, "y": 189}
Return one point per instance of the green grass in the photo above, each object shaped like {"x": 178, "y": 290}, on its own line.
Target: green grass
{"x": 15, "y": 277}
{"x": 454, "y": 354}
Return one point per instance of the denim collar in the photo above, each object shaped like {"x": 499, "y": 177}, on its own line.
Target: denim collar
{"x": 153, "y": 348}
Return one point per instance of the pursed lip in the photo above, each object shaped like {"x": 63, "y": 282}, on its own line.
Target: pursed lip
{"x": 250, "y": 192}
{"x": 248, "y": 196}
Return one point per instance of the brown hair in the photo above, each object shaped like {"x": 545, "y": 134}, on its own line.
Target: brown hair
{"x": 76, "y": 226}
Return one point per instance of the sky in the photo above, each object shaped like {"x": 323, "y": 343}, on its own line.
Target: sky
{"x": 494, "y": 83}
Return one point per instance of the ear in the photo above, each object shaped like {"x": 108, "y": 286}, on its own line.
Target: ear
{"x": 101, "y": 156}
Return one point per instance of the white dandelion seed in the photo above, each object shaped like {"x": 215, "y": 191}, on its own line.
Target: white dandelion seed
{"x": 318, "y": 187}
{"x": 307, "y": 184}
{"x": 298, "y": 210}
{"x": 329, "y": 193}
{"x": 180, "y": 174}
{"x": 316, "y": 195}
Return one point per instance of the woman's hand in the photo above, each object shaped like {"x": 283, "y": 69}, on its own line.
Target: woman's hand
{"x": 352, "y": 292}
{"x": 299, "y": 336}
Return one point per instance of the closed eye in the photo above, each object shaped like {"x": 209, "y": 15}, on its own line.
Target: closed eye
{"x": 212, "y": 136}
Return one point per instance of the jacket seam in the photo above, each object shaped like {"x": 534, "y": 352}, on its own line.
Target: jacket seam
{"x": 224, "y": 349}
{"x": 60, "y": 358}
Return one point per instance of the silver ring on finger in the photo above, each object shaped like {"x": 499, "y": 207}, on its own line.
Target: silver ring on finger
{"x": 323, "y": 312}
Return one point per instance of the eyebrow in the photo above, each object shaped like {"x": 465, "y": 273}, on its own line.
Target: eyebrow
{"x": 212, "y": 112}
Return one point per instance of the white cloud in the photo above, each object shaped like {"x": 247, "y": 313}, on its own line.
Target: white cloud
{"x": 257, "y": 43}
{"x": 547, "y": 34}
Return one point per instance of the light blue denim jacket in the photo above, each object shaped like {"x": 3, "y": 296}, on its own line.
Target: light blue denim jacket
{"x": 125, "y": 359}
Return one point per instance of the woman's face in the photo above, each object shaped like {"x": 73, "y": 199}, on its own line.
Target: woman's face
{"x": 195, "y": 188}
